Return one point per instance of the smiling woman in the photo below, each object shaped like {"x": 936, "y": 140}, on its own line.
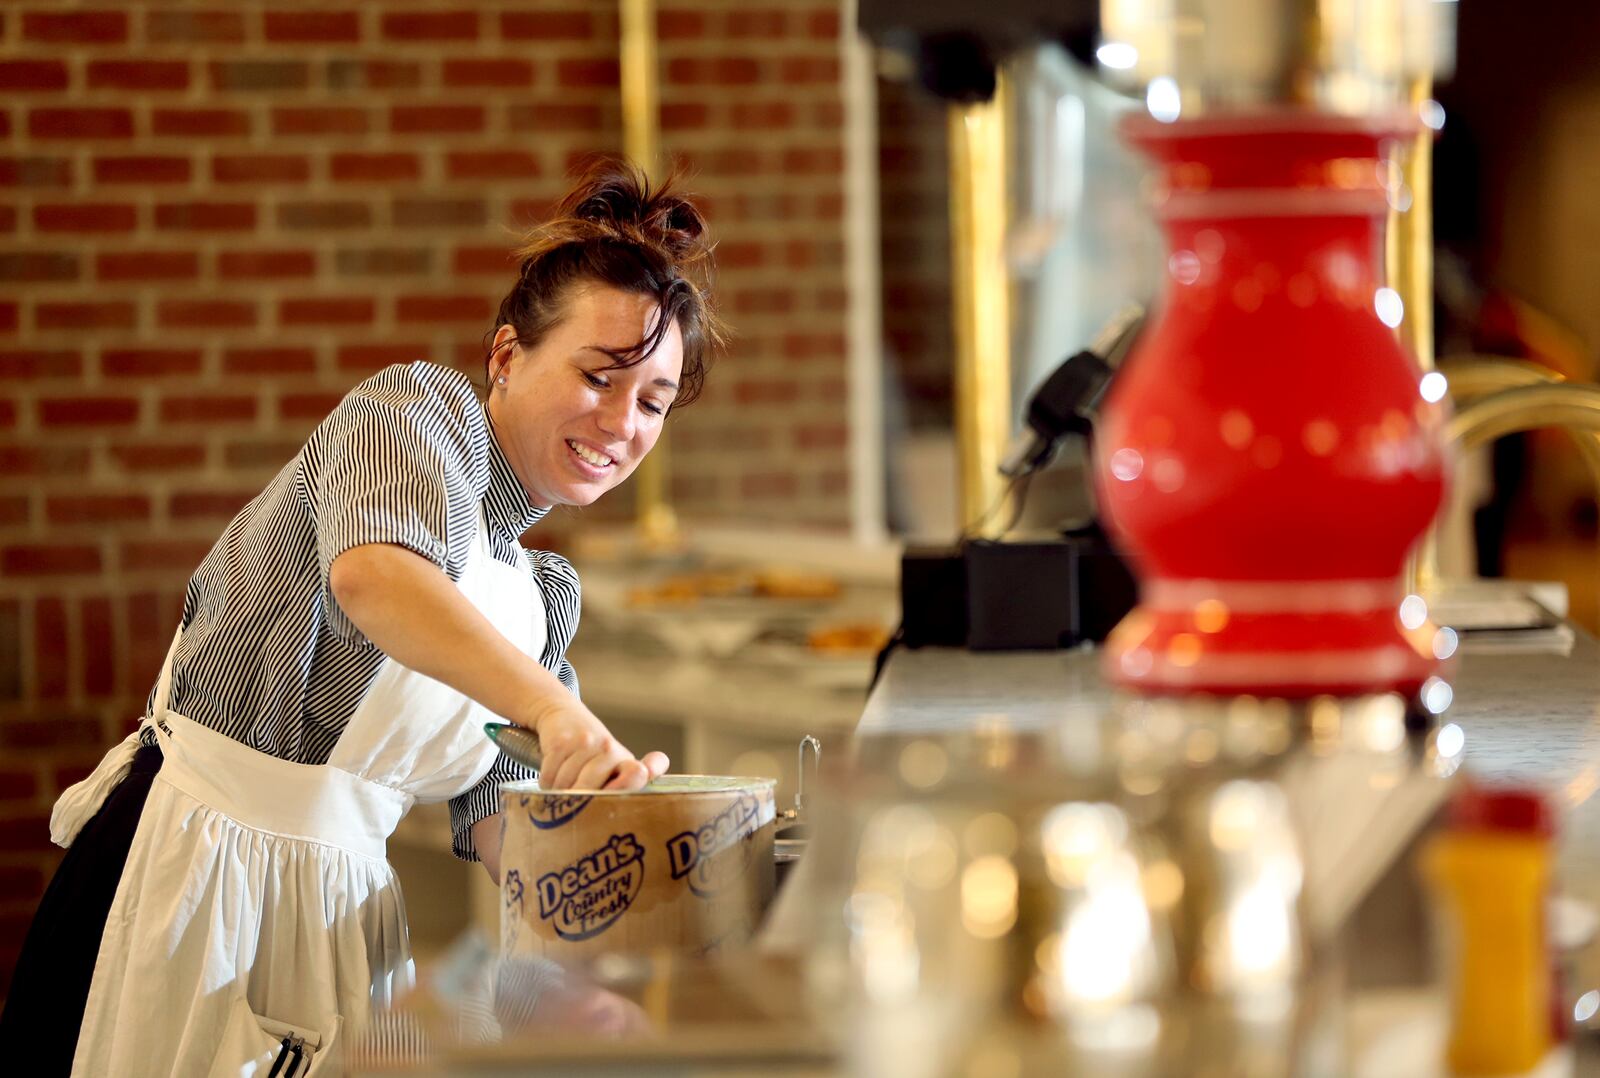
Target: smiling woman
{"x": 339, "y": 650}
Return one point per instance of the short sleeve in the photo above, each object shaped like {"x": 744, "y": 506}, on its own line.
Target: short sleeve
{"x": 481, "y": 802}
{"x": 394, "y": 463}
{"x": 563, "y": 602}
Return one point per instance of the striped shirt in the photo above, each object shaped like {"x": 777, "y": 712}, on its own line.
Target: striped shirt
{"x": 268, "y": 657}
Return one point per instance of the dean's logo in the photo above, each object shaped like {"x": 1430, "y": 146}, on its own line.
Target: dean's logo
{"x": 553, "y": 810}
{"x": 699, "y": 854}
{"x": 586, "y": 898}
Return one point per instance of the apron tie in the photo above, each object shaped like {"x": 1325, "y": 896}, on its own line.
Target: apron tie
{"x": 79, "y": 802}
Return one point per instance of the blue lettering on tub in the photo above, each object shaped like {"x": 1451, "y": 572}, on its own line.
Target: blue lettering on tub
{"x": 546, "y": 811}
{"x": 586, "y": 898}
{"x": 694, "y": 853}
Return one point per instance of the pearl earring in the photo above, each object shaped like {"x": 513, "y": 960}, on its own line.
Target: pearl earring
{"x": 500, "y": 381}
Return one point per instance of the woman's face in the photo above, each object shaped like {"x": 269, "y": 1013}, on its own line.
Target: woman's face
{"x": 571, "y": 428}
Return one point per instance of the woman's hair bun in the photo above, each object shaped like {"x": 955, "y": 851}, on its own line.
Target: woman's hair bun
{"x": 615, "y": 195}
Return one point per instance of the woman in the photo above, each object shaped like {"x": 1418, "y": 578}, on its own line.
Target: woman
{"x": 340, "y": 648}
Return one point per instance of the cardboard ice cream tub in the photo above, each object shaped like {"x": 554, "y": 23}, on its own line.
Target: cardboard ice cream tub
{"x": 684, "y": 864}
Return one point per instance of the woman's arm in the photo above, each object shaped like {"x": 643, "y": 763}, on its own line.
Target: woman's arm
{"x": 486, "y": 840}
{"x": 406, "y": 605}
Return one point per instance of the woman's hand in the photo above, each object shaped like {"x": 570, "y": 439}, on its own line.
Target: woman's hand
{"x": 580, "y": 753}
{"x": 405, "y": 605}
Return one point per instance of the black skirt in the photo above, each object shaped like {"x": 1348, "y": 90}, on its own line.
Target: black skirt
{"x": 50, "y": 987}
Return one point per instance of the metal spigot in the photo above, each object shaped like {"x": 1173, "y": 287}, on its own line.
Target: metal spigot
{"x": 796, "y": 813}
{"x": 1506, "y": 396}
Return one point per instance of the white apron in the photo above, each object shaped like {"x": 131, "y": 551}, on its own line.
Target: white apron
{"x": 257, "y": 902}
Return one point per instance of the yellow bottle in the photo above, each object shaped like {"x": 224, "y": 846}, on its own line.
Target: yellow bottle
{"x": 1488, "y": 873}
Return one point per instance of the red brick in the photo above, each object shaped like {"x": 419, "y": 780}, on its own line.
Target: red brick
{"x": 88, "y": 411}
{"x": 24, "y": 834}
{"x": 256, "y": 265}
{"x": 823, "y": 25}
{"x": 813, "y": 160}
{"x": 319, "y": 121}
{"x": 769, "y": 485}
{"x": 307, "y": 405}
{"x": 759, "y": 23}
{"x": 85, "y": 217}
{"x": 217, "y": 504}
{"x": 313, "y": 26}
{"x": 113, "y": 314}
{"x": 326, "y": 311}
{"x": 97, "y": 509}
{"x": 382, "y": 167}
{"x": 35, "y": 364}
{"x": 436, "y": 119}
{"x": 16, "y": 75}
{"x": 158, "y": 457}
{"x": 765, "y": 390}
{"x": 320, "y": 216}
{"x": 546, "y": 25}
{"x": 138, "y": 75}
{"x": 194, "y": 27}
{"x": 676, "y": 24}
{"x": 497, "y": 261}
{"x": 206, "y": 408}
{"x": 141, "y": 169}
{"x": 171, "y": 555}
{"x": 439, "y": 213}
{"x": 8, "y": 413}
{"x": 16, "y": 785}
{"x": 206, "y": 216}
{"x": 35, "y": 172}
{"x": 99, "y": 665}
{"x": 80, "y": 123}
{"x": 494, "y": 165}
{"x": 472, "y": 308}
{"x": 205, "y": 314}
{"x": 149, "y": 362}
{"x": 261, "y": 362}
{"x": 55, "y": 730}
{"x": 49, "y": 559}
{"x": 587, "y": 73}
{"x": 813, "y": 345}
{"x": 802, "y": 70}
{"x": 827, "y": 113}
{"x": 259, "y": 76}
{"x": 148, "y": 266}
{"x": 764, "y": 115}
{"x": 43, "y": 460}
{"x": 431, "y": 26}
{"x": 260, "y": 168}
{"x": 531, "y": 211}
{"x": 713, "y": 71}
{"x": 28, "y": 266}
{"x": 368, "y": 358}
{"x": 685, "y": 116}
{"x": 567, "y": 116}
{"x": 488, "y": 72}
{"x": 201, "y": 123}
{"x": 742, "y": 255}
{"x": 149, "y": 618}
{"x": 8, "y": 218}
{"x": 822, "y": 436}
{"x": 81, "y": 27}
{"x": 374, "y": 74}
{"x": 259, "y": 455}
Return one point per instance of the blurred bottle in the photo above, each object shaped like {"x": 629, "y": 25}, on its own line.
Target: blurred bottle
{"x": 1489, "y": 874}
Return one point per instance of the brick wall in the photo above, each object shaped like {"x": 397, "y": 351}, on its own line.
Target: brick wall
{"x": 215, "y": 219}
{"x": 914, "y": 218}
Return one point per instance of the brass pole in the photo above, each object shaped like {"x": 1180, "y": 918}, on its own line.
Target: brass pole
{"x": 641, "y": 140}
{"x": 981, "y": 314}
{"x": 1408, "y": 246}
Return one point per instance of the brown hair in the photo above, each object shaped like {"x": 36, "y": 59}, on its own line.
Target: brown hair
{"x": 613, "y": 228}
